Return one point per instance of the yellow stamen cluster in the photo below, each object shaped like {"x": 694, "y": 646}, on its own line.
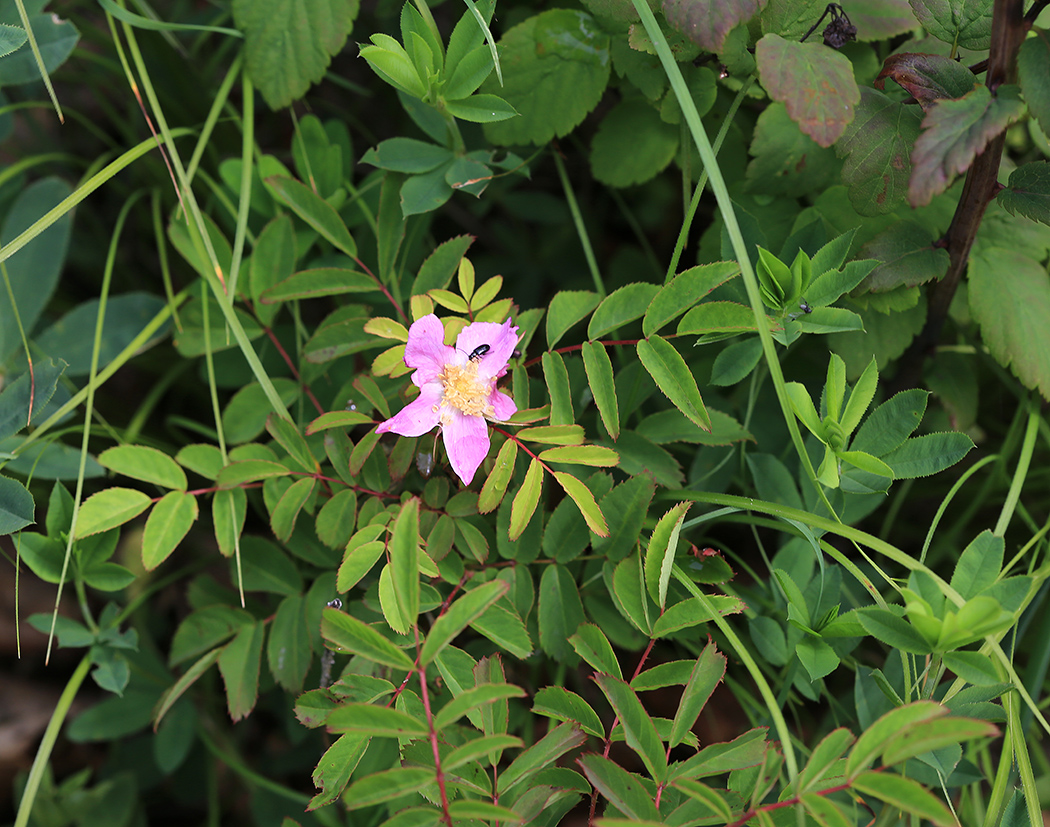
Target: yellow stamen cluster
{"x": 465, "y": 391}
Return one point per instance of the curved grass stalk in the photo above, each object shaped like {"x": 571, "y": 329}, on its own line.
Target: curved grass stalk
{"x": 956, "y": 487}
{"x": 245, "y": 194}
{"x": 44, "y": 76}
{"x": 222, "y": 94}
{"x": 581, "y": 229}
{"x": 725, "y": 206}
{"x": 47, "y": 744}
{"x": 1023, "y": 462}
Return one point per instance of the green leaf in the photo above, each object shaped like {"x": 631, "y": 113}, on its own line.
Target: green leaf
{"x": 628, "y": 589}
{"x": 584, "y": 499}
{"x": 927, "y": 736}
{"x": 1028, "y": 192}
{"x": 566, "y": 309}
{"x": 15, "y": 396}
{"x": 924, "y": 455}
{"x": 555, "y": 68}
{"x": 526, "y": 500}
{"x": 626, "y": 507}
{"x": 954, "y": 133}
{"x": 352, "y": 635}
{"x": 16, "y": 506}
{"x": 692, "y": 612}
{"x": 168, "y": 523}
{"x": 814, "y": 82}
{"x": 543, "y": 753}
{"x": 891, "y": 423}
{"x": 323, "y": 281}
{"x": 621, "y": 307}
{"x": 718, "y": 317}
{"x": 908, "y": 257}
{"x": 239, "y": 665}
{"x": 892, "y": 630}
{"x": 56, "y": 39}
{"x": 979, "y": 564}
{"x": 33, "y": 271}
{"x": 876, "y": 150}
{"x": 661, "y": 550}
{"x": 108, "y": 509}
{"x": 557, "y": 379}
{"x": 466, "y": 808}
{"x": 288, "y": 649}
{"x": 1010, "y": 299}
{"x": 229, "y": 509}
{"x": 965, "y": 25}
{"x": 886, "y": 730}
{"x": 335, "y": 520}
{"x": 481, "y": 109}
{"x": 747, "y": 750}
{"x": 437, "y": 270}
{"x": 336, "y": 766}
{"x": 1033, "y": 67}
{"x": 553, "y": 434}
{"x": 593, "y": 646}
{"x": 464, "y": 611}
{"x": 632, "y": 144}
{"x": 285, "y": 513}
{"x": 485, "y": 693}
{"x": 205, "y": 629}
{"x": 593, "y": 455}
{"x": 600, "y": 377}
{"x": 266, "y": 567}
{"x": 623, "y": 789}
{"x": 496, "y": 483}
{"x": 905, "y": 794}
{"x": 472, "y": 750}
{"x": 372, "y": 719}
{"x": 11, "y": 39}
{"x": 673, "y": 378}
{"x": 288, "y": 47}
{"x": 386, "y": 786}
{"x": 404, "y": 561}
{"x": 684, "y": 291}
{"x": 816, "y": 657}
{"x": 823, "y": 757}
{"x": 786, "y": 161}
{"x": 706, "y": 674}
{"x": 736, "y": 362}
{"x": 928, "y": 78}
{"x": 711, "y": 799}
{"x": 314, "y": 210}
{"x": 407, "y": 155}
{"x": 560, "y": 611}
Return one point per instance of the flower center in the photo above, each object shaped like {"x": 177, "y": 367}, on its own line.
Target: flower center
{"x": 465, "y": 391}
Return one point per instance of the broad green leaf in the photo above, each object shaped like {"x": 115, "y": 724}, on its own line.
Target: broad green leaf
{"x": 973, "y": 667}
{"x": 860, "y": 398}
{"x": 560, "y": 611}
{"x": 625, "y": 508}
{"x": 661, "y": 551}
{"x": 472, "y": 750}
{"x": 1010, "y": 299}
{"x": 593, "y": 455}
{"x": 632, "y": 145}
{"x": 11, "y": 39}
{"x": 16, "y": 506}
{"x": 707, "y": 673}
{"x": 927, "y": 736}
{"x": 437, "y": 269}
{"x": 814, "y": 82}
{"x": 684, "y": 291}
{"x": 333, "y": 770}
{"x": 736, "y": 362}
{"x": 824, "y": 810}
{"x": 464, "y": 611}
{"x": 229, "y": 509}
{"x": 352, "y": 635}
{"x": 621, "y": 307}
{"x": 323, "y": 281}
{"x": 1028, "y": 192}
{"x": 288, "y": 47}
{"x": 593, "y": 646}
{"x": 265, "y": 567}
{"x": 284, "y": 514}
{"x": 673, "y": 377}
{"x": 555, "y": 68}
{"x": 32, "y": 271}
{"x": 566, "y": 309}
{"x": 272, "y": 261}
{"x": 979, "y": 564}
{"x": 954, "y": 132}
{"x": 787, "y": 161}
{"x": 711, "y": 799}
{"x": 468, "y": 73}
{"x": 747, "y": 750}
{"x": 709, "y": 22}
{"x": 314, "y": 210}
{"x": 906, "y": 794}
{"x": 672, "y": 673}
{"x": 600, "y": 377}
{"x": 16, "y": 395}
{"x": 239, "y": 665}
{"x": 623, "y": 789}
{"x": 824, "y": 756}
{"x": 691, "y": 612}
{"x": 108, "y": 509}
{"x": 407, "y": 155}
{"x": 886, "y": 730}
{"x": 891, "y": 423}
{"x": 373, "y": 719}
{"x": 553, "y": 434}
{"x": 337, "y": 419}
{"x": 584, "y": 499}
{"x": 485, "y": 693}
{"x": 362, "y": 552}
{"x": 472, "y": 808}
{"x": 1033, "y": 66}
{"x": 526, "y": 500}
{"x": 481, "y": 109}
{"x": 495, "y": 485}
{"x": 965, "y": 25}
{"x": 717, "y": 317}
{"x": 892, "y": 630}
{"x": 543, "y": 753}
{"x": 557, "y": 379}
{"x": 168, "y": 523}
{"x": 205, "y": 629}
{"x": 336, "y": 519}
{"x": 928, "y": 454}
{"x": 876, "y": 150}
{"x": 56, "y": 39}
{"x": 628, "y": 588}
{"x": 386, "y": 786}
{"x": 804, "y": 409}
{"x": 202, "y": 459}
{"x": 908, "y": 256}
{"x": 404, "y": 561}
{"x": 816, "y": 657}
{"x": 288, "y": 648}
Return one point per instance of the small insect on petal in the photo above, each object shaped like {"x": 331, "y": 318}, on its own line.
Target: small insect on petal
{"x": 477, "y": 353}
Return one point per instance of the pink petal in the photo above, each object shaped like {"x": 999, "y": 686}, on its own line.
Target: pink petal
{"x": 504, "y": 405}
{"x": 418, "y": 416}
{"x": 466, "y": 443}
{"x": 501, "y": 339}
{"x": 426, "y": 350}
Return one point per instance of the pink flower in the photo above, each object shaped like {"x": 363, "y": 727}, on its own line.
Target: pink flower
{"x": 457, "y": 388}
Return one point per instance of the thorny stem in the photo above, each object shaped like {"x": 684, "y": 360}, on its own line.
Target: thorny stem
{"x": 446, "y": 816}
{"x": 1008, "y": 31}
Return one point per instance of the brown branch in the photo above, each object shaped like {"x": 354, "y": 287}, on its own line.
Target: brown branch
{"x": 1008, "y": 31}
